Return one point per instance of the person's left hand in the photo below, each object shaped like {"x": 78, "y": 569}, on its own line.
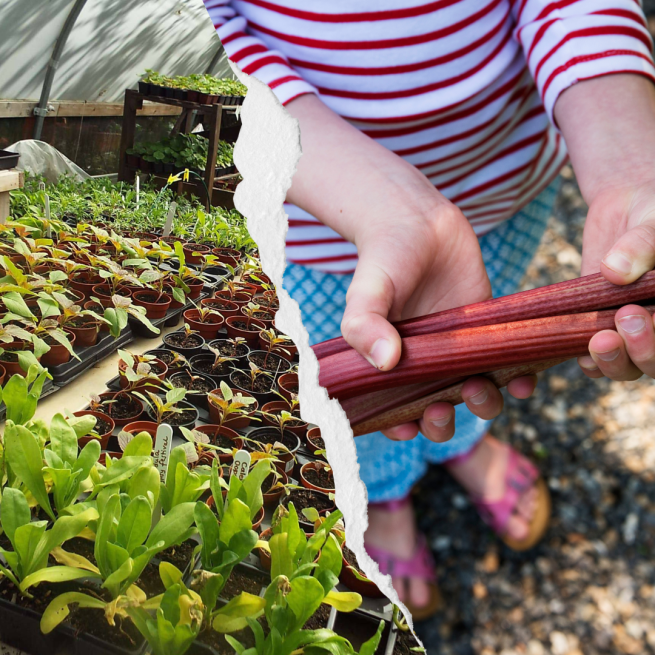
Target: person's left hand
{"x": 619, "y": 241}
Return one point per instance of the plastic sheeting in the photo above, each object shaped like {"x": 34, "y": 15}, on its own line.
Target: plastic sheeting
{"x": 40, "y": 158}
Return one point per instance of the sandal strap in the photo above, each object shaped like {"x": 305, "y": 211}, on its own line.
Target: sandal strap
{"x": 520, "y": 476}
{"x": 419, "y": 565}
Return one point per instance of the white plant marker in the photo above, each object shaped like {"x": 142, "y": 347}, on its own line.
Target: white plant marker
{"x": 162, "y": 450}
{"x": 241, "y": 464}
{"x": 137, "y": 184}
{"x": 168, "y": 226}
{"x": 47, "y": 209}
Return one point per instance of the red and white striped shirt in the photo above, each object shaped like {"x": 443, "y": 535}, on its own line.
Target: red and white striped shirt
{"x": 462, "y": 89}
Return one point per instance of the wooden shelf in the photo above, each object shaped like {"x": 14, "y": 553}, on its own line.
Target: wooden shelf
{"x": 10, "y": 179}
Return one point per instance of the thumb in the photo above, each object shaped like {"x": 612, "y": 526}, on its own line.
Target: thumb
{"x": 365, "y": 326}
{"x": 632, "y": 255}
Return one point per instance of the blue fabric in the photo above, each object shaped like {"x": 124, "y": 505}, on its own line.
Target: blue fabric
{"x": 388, "y": 468}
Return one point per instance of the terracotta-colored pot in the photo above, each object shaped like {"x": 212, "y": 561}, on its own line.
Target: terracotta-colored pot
{"x": 264, "y": 279}
{"x": 149, "y": 383}
{"x": 208, "y": 330}
{"x": 287, "y": 383}
{"x": 174, "y": 303}
{"x": 307, "y": 484}
{"x": 87, "y": 335}
{"x": 251, "y": 335}
{"x": 272, "y": 498}
{"x": 287, "y": 350}
{"x": 277, "y": 407}
{"x": 234, "y": 422}
{"x": 137, "y": 402}
{"x": 103, "y": 293}
{"x": 142, "y": 426}
{"x": 223, "y": 306}
{"x": 114, "y": 454}
{"x": 104, "y": 437}
{"x": 287, "y": 459}
{"x": 268, "y": 322}
{"x": 363, "y": 587}
{"x": 3, "y": 375}
{"x": 191, "y": 248}
{"x": 239, "y": 298}
{"x": 58, "y": 354}
{"x": 195, "y": 289}
{"x": 98, "y": 309}
{"x": 264, "y": 555}
{"x": 156, "y": 309}
{"x": 212, "y": 430}
{"x": 84, "y": 281}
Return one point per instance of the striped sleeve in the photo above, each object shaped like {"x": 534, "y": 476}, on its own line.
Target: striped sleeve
{"x": 567, "y": 41}
{"x": 252, "y": 56}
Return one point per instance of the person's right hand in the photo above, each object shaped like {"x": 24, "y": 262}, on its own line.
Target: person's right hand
{"x": 417, "y": 252}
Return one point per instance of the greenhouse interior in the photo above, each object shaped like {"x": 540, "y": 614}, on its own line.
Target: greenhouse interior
{"x": 160, "y": 492}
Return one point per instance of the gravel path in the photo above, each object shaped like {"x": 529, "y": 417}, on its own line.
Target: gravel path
{"x": 589, "y": 588}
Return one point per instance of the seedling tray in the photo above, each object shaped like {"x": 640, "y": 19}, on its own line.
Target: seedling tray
{"x": 65, "y": 373}
{"x": 8, "y": 160}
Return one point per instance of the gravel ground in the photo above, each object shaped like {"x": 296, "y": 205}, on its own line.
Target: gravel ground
{"x": 589, "y": 588}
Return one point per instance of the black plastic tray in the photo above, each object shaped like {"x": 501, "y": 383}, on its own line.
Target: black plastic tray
{"x": 65, "y": 373}
{"x": 8, "y": 159}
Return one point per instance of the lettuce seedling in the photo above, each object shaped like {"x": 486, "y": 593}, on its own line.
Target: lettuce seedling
{"x": 27, "y": 564}
{"x": 182, "y": 485}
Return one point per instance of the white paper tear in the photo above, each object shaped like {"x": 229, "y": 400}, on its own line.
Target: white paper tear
{"x": 266, "y": 155}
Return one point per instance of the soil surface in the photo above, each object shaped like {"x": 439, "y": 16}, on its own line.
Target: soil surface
{"x": 319, "y": 619}
{"x": 181, "y": 340}
{"x": 262, "y": 384}
{"x": 122, "y": 406}
{"x": 206, "y": 366}
{"x": 240, "y": 580}
{"x": 180, "y": 418}
{"x": 168, "y": 357}
{"x": 589, "y": 587}
{"x": 102, "y": 426}
{"x": 304, "y": 498}
{"x": 196, "y": 384}
{"x": 270, "y": 362}
{"x": 242, "y": 325}
{"x": 228, "y": 349}
{"x": 319, "y": 442}
{"x": 405, "y": 642}
{"x": 351, "y": 558}
{"x": 180, "y": 555}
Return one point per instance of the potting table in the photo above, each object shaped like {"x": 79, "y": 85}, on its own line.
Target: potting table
{"x": 10, "y": 179}
{"x": 211, "y": 117}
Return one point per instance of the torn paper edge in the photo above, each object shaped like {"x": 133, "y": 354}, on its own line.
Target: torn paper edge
{"x": 266, "y": 154}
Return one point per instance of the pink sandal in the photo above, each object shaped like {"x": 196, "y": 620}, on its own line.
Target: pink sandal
{"x": 521, "y": 475}
{"x": 420, "y": 565}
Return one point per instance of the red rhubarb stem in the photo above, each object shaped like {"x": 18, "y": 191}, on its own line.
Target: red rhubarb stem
{"x": 584, "y": 294}
{"x": 465, "y": 352}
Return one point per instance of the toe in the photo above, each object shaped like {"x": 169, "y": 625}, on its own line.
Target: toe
{"x": 399, "y": 586}
{"x": 419, "y": 592}
{"x": 517, "y": 527}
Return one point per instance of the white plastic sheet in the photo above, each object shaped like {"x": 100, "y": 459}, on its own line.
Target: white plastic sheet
{"x": 40, "y": 158}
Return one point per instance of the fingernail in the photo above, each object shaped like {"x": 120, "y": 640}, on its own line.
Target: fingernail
{"x": 380, "y": 353}
{"x": 609, "y": 356}
{"x": 632, "y": 324}
{"x": 618, "y": 262}
{"x": 441, "y": 422}
{"x": 479, "y": 397}
{"x": 589, "y": 366}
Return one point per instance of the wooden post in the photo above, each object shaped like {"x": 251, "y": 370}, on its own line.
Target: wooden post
{"x": 9, "y": 180}
{"x": 214, "y": 129}
{"x": 133, "y": 101}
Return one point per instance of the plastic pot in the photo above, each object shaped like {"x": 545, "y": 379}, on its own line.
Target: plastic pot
{"x": 234, "y": 422}
{"x": 363, "y": 587}
{"x": 98, "y": 309}
{"x": 187, "y": 351}
{"x": 104, "y": 437}
{"x": 87, "y": 334}
{"x": 270, "y": 435}
{"x": 288, "y": 384}
{"x": 159, "y": 370}
{"x": 189, "y": 423}
{"x": 195, "y": 289}
{"x": 277, "y": 407}
{"x": 84, "y": 281}
{"x": 250, "y": 335}
{"x": 166, "y": 354}
{"x": 195, "y": 397}
{"x": 268, "y": 322}
{"x": 213, "y": 430}
{"x": 264, "y": 555}
{"x": 134, "y": 401}
{"x": 286, "y": 350}
{"x": 306, "y": 483}
{"x": 208, "y": 358}
{"x": 262, "y": 397}
{"x": 3, "y": 375}
{"x": 156, "y": 308}
{"x": 241, "y": 360}
{"x": 223, "y": 306}
{"x": 275, "y": 364}
{"x": 209, "y": 329}
{"x": 239, "y": 298}
{"x": 103, "y": 293}
{"x": 192, "y": 248}
{"x": 272, "y": 498}
{"x": 137, "y": 427}
{"x": 58, "y": 354}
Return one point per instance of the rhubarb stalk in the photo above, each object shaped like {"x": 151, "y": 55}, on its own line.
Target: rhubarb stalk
{"x": 466, "y": 352}
{"x": 584, "y": 294}
{"x": 413, "y": 411}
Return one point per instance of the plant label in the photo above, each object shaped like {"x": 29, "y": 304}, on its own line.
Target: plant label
{"x": 168, "y": 226}
{"x": 162, "y": 450}
{"x": 190, "y": 452}
{"x": 137, "y": 185}
{"x": 241, "y": 464}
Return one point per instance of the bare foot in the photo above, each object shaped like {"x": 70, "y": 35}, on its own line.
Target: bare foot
{"x": 483, "y": 475}
{"x": 395, "y": 533}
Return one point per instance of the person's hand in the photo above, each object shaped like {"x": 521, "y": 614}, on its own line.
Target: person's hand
{"x": 417, "y": 253}
{"x": 619, "y": 241}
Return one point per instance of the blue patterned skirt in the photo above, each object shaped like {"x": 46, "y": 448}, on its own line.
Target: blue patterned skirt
{"x": 389, "y": 468}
